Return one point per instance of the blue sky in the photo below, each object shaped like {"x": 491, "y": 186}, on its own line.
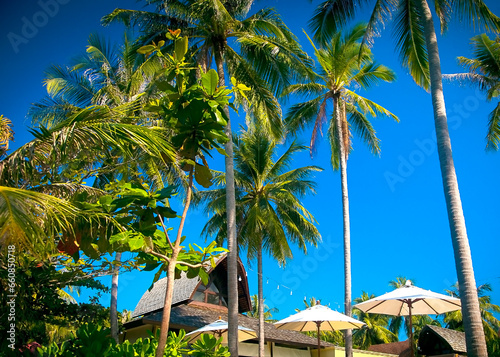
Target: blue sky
{"x": 399, "y": 225}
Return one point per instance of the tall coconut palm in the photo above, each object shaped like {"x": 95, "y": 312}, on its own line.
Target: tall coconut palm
{"x": 375, "y": 331}
{"x": 484, "y": 73}
{"x": 343, "y": 67}
{"x": 270, "y": 214}
{"x": 259, "y": 51}
{"x": 416, "y": 41}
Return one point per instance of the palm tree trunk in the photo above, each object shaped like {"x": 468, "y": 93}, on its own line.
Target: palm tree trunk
{"x": 169, "y": 293}
{"x": 232, "y": 255}
{"x": 346, "y": 222}
{"x": 474, "y": 333}
{"x": 113, "y": 307}
{"x": 261, "y": 302}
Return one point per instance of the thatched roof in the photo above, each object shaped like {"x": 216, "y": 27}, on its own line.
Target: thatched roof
{"x": 153, "y": 300}
{"x": 436, "y": 340}
{"x": 184, "y": 288}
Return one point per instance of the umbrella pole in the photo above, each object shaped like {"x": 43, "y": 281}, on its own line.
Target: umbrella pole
{"x": 319, "y": 345}
{"x": 411, "y": 330}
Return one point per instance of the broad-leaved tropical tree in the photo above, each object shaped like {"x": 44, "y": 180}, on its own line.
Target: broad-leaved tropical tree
{"x": 259, "y": 52}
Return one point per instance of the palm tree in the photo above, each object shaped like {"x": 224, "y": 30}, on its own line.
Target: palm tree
{"x": 375, "y": 331}
{"x": 6, "y": 134}
{"x": 344, "y": 66}
{"x": 417, "y": 44}
{"x": 491, "y": 324}
{"x": 39, "y": 179}
{"x": 270, "y": 214}
{"x": 484, "y": 73}
{"x": 111, "y": 76}
{"x": 269, "y": 57}
{"x": 268, "y": 313}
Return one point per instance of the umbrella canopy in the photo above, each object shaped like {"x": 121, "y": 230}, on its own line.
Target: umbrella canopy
{"x": 219, "y": 329}
{"x": 410, "y": 300}
{"x": 317, "y": 318}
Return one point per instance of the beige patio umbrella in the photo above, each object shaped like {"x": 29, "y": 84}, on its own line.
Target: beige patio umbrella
{"x": 318, "y": 318}
{"x": 410, "y": 300}
{"x": 219, "y": 329}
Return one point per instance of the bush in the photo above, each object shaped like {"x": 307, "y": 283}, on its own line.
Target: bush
{"x": 95, "y": 340}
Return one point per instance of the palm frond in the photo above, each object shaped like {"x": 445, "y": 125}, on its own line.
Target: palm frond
{"x": 364, "y": 128}
{"x": 330, "y": 16}
{"x": 263, "y": 103}
{"x": 32, "y": 220}
{"x": 410, "y": 41}
{"x": 372, "y": 73}
{"x": 443, "y": 10}
{"x": 381, "y": 14}
{"x": 493, "y": 136}
{"x": 476, "y": 14}
{"x": 368, "y": 106}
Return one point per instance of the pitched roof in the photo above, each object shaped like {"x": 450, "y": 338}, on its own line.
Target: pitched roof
{"x": 436, "y": 339}
{"x": 154, "y": 299}
{"x": 193, "y": 316}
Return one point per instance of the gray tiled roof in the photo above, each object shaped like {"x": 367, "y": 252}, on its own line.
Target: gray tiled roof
{"x": 154, "y": 299}
{"x": 191, "y": 317}
{"x": 455, "y": 339}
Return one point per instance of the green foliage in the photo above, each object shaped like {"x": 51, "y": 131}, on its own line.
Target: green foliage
{"x": 376, "y": 330}
{"x": 270, "y": 214}
{"x": 265, "y": 55}
{"x": 42, "y": 313}
{"x": 209, "y": 346}
{"x": 344, "y": 66}
{"x": 93, "y": 340}
{"x": 141, "y": 214}
{"x": 176, "y": 344}
{"x": 193, "y": 112}
{"x": 491, "y": 324}
{"x": 268, "y": 312}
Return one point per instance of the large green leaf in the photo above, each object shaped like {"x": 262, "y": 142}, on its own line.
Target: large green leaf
{"x": 203, "y": 175}
{"x": 181, "y": 48}
{"x": 210, "y": 80}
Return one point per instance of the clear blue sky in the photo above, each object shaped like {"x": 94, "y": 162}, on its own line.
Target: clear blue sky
{"x": 399, "y": 225}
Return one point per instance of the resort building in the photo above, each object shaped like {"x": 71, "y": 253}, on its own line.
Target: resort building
{"x": 195, "y": 305}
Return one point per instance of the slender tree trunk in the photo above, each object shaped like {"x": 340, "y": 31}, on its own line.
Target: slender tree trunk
{"x": 347, "y": 230}
{"x": 113, "y": 307}
{"x": 169, "y": 293}
{"x": 261, "y": 302}
{"x": 474, "y": 333}
{"x": 232, "y": 255}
